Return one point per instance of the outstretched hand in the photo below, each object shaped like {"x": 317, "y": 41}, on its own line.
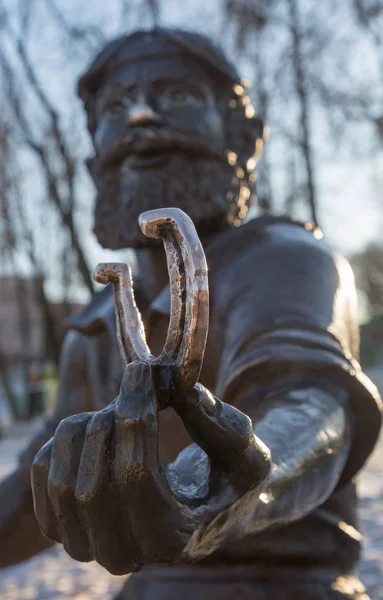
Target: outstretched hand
{"x": 98, "y": 486}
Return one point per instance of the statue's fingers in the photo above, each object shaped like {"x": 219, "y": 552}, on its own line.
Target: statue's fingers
{"x": 156, "y": 519}
{"x": 66, "y": 454}
{"x": 111, "y": 545}
{"x": 226, "y": 435}
{"x": 45, "y": 515}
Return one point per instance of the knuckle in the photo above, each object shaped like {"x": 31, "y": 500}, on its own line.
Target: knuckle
{"x": 260, "y": 456}
{"x": 136, "y": 473}
{"x": 58, "y": 490}
{"x": 42, "y": 459}
{"x": 242, "y": 431}
{"x": 90, "y": 485}
{"x": 145, "y": 423}
{"x": 245, "y": 423}
{"x": 99, "y": 423}
{"x": 135, "y": 375}
{"x": 139, "y": 472}
{"x": 49, "y": 528}
{"x": 78, "y": 549}
{"x": 71, "y": 428}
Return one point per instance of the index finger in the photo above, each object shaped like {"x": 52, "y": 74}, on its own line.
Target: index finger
{"x": 150, "y": 511}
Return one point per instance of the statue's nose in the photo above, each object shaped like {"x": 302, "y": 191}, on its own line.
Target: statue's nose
{"x": 141, "y": 113}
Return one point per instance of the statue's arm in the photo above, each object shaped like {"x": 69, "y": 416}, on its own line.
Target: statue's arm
{"x": 290, "y": 335}
{"x": 307, "y": 427}
{"x": 20, "y": 535}
{"x": 287, "y": 311}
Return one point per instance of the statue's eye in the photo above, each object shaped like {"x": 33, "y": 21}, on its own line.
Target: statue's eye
{"x": 117, "y": 107}
{"x": 176, "y": 96}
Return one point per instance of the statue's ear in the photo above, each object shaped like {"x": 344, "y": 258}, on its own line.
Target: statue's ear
{"x": 242, "y": 135}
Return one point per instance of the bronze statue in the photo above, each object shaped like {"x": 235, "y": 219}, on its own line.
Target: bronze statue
{"x": 247, "y": 493}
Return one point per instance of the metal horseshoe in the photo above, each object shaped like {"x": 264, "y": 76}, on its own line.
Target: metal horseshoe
{"x": 185, "y": 343}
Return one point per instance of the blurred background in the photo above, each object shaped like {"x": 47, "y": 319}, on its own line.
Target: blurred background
{"x": 316, "y": 70}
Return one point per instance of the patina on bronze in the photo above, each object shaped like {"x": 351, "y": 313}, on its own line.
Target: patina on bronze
{"x": 185, "y": 343}
{"x": 177, "y": 485}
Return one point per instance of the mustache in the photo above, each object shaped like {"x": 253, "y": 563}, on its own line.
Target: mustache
{"x": 146, "y": 140}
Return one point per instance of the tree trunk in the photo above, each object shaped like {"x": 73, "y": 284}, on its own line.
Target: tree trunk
{"x": 10, "y": 395}
{"x": 303, "y": 98}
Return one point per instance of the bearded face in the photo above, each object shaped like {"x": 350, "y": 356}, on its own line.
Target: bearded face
{"x": 159, "y": 142}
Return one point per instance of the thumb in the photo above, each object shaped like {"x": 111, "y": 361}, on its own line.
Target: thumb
{"x": 225, "y": 434}
{"x": 137, "y": 395}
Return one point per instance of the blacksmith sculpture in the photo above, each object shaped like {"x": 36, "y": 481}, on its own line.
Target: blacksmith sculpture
{"x": 245, "y": 494}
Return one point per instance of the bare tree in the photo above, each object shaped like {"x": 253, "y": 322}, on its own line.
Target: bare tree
{"x": 302, "y": 92}
{"x": 253, "y": 23}
{"x": 8, "y": 244}
{"x": 57, "y": 161}
{"x": 368, "y": 269}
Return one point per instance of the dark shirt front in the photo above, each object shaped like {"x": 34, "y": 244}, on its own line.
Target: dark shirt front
{"x": 281, "y": 304}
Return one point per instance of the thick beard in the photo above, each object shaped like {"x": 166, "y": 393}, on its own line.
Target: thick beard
{"x": 197, "y": 186}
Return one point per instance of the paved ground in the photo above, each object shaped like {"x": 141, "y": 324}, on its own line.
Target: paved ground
{"x": 371, "y": 515}
{"x": 54, "y": 576}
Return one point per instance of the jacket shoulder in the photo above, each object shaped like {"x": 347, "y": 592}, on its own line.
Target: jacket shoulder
{"x": 268, "y": 235}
